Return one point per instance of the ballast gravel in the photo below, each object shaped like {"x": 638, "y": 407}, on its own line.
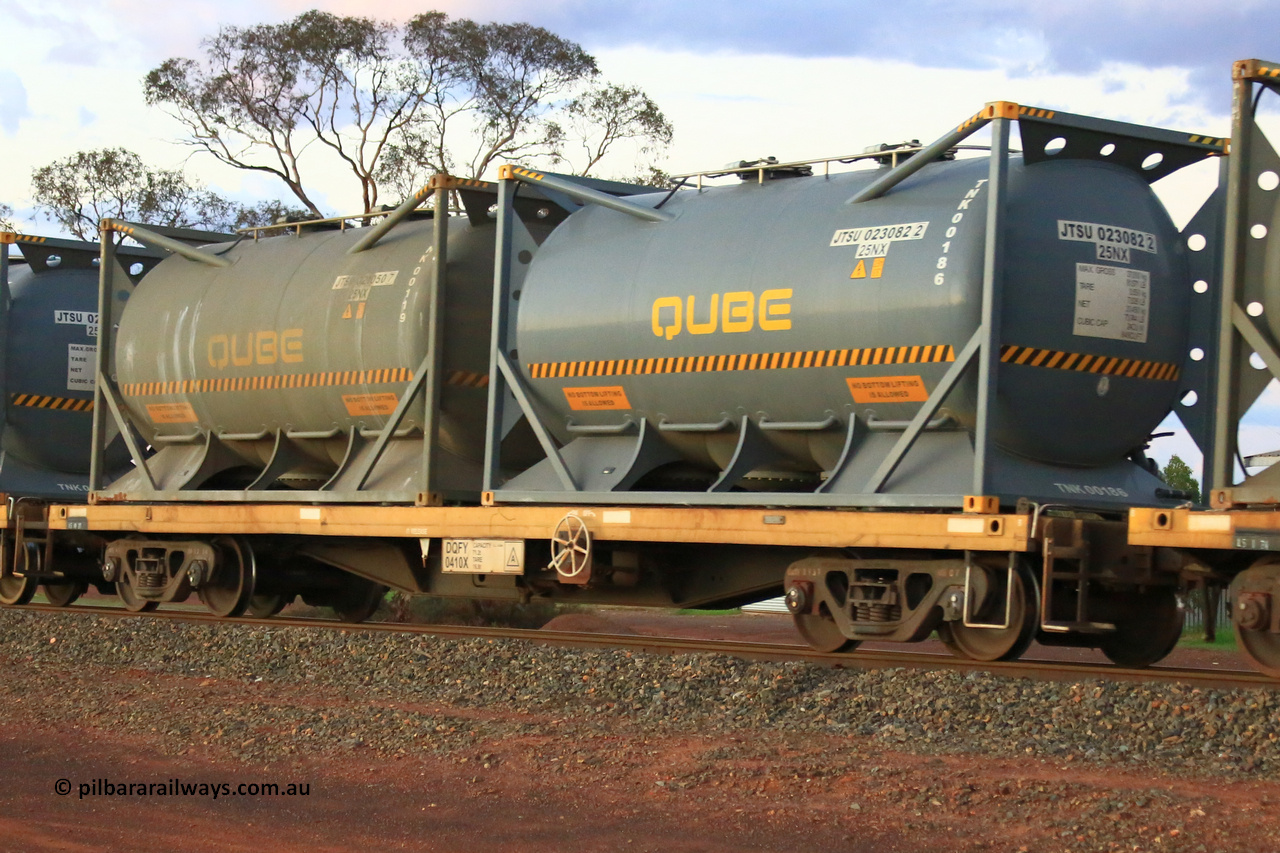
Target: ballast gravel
{"x": 394, "y": 693}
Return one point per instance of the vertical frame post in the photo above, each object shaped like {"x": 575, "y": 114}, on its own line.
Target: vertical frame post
{"x": 1214, "y": 379}
{"x": 435, "y": 338}
{"x": 1226, "y": 397}
{"x": 103, "y": 360}
{"x": 498, "y": 340}
{"x": 992, "y": 273}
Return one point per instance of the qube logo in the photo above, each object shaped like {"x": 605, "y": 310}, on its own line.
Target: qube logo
{"x": 266, "y": 347}
{"x": 736, "y": 311}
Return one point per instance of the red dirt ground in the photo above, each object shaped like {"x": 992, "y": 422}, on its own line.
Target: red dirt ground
{"x": 776, "y": 628}
{"x": 606, "y": 793}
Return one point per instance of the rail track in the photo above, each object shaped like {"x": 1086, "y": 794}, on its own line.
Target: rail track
{"x": 861, "y": 659}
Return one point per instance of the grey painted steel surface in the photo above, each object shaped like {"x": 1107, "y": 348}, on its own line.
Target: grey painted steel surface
{"x": 48, "y": 314}
{"x": 590, "y": 293}
{"x": 299, "y": 341}
{"x": 1249, "y": 300}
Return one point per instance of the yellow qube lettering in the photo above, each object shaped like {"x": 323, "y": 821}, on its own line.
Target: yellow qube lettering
{"x": 266, "y": 347}
{"x": 242, "y": 360}
{"x": 263, "y": 347}
{"x": 218, "y": 349}
{"x": 662, "y": 328}
{"x": 712, "y": 321}
{"x": 735, "y": 311}
{"x": 739, "y": 311}
{"x": 291, "y": 343}
{"x": 775, "y": 304}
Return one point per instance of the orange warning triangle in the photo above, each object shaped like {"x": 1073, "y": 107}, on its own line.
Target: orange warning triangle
{"x": 860, "y": 271}
{"x": 346, "y": 315}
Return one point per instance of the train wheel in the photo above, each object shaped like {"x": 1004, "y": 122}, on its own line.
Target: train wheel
{"x": 64, "y": 594}
{"x": 131, "y": 600}
{"x": 15, "y": 591}
{"x": 820, "y": 631}
{"x": 1255, "y": 593}
{"x": 265, "y": 606}
{"x": 360, "y": 601}
{"x": 1149, "y": 629}
{"x": 990, "y": 644}
{"x": 1262, "y": 648}
{"x": 229, "y": 591}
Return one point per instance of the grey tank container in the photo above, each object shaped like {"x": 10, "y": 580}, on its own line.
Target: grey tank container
{"x": 601, "y": 298}
{"x": 290, "y": 361}
{"x": 48, "y": 320}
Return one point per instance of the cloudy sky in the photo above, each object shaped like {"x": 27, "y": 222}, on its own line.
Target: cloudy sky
{"x": 798, "y": 79}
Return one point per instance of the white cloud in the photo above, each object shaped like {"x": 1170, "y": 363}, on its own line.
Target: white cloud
{"x": 13, "y": 102}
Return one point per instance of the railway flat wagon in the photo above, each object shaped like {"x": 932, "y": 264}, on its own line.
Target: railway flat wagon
{"x": 909, "y": 388}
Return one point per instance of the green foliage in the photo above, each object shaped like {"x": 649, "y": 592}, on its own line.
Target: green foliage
{"x": 267, "y": 213}
{"x": 605, "y": 115}
{"x": 78, "y": 191}
{"x": 396, "y": 103}
{"x": 1224, "y": 641}
{"x": 695, "y": 611}
{"x": 6, "y": 218}
{"x": 1178, "y": 475}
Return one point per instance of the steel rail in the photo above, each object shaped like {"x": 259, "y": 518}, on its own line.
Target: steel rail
{"x": 1040, "y": 670}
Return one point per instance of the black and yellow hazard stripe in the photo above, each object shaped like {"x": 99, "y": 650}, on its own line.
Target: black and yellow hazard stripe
{"x": 11, "y": 237}
{"x": 1035, "y": 112}
{"x": 745, "y": 361}
{"x": 268, "y": 383}
{"x": 467, "y": 379}
{"x": 1253, "y": 69}
{"x": 38, "y": 401}
{"x": 509, "y": 171}
{"x": 1212, "y": 141}
{"x": 993, "y": 110}
{"x": 1159, "y": 371}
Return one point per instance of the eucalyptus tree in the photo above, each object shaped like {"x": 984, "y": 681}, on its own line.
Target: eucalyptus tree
{"x": 79, "y": 190}
{"x": 393, "y": 102}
